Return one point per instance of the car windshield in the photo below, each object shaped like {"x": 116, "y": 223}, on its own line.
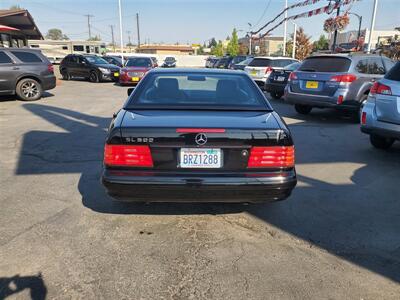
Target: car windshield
{"x": 169, "y": 59}
{"x": 96, "y": 60}
{"x": 139, "y": 62}
{"x": 292, "y": 66}
{"x": 325, "y": 64}
{"x": 198, "y": 91}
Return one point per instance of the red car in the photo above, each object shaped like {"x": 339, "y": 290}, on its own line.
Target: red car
{"x": 135, "y": 69}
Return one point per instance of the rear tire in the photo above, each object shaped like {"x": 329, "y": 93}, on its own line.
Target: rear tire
{"x": 93, "y": 77}
{"x": 303, "y": 109}
{"x": 29, "y": 89}
{"x": 276, "y": 95}
{"x": 381, "y": 142}
{"x": 65, "y": 75}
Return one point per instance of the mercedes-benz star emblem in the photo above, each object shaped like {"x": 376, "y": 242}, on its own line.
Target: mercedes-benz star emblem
{"x": 200, "y": 139}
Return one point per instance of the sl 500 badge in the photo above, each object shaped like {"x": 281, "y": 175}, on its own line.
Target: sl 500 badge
{"x": 139, "y": 140}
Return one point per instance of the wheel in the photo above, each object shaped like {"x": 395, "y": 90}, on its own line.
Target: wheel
{"x": 302, "y": 109}
{"x": 29, "y": 89}
{"x": 381, "y": 142}
{"x": 93, "y": 77}
{"x": 276, "y": 95}
{"x": 65, "y": 75}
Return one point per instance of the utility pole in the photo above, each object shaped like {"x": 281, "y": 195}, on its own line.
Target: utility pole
{"x": 120, "y": 32}
{"x": 112, "y": 37}
{"x": 138, "y": 29}
{"x": 88, "y": 24}
{"x": 284, "y": 30}
{"x": 129, "y": 36}
{"x": 335, "y": 33}
{"x": 372, "y": 26}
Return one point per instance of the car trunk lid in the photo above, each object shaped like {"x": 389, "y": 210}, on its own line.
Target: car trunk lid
{"x": 232, "y": 134}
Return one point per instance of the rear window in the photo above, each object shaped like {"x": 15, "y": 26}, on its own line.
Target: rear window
{"x": 139, "y": 62}
{"x": 325, "y": 64}
{"x": 394, "y": 73}
{"x": 26, "y": 56}
{"x": 197, "y": 91}
{"x": 260, "y": 62}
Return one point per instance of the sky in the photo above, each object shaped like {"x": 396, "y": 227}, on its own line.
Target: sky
{"x": 187, "y": 21}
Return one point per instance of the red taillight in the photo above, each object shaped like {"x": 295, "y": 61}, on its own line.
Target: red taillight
{"x": 379, "y": 88}
{"x": 344, "y": 78}
{"x": 268, "y": 70}
{"x": 293, "y": 76}
{"x": 200, "y": 130}
{"x": 340, "y": 99}
{"x": 271, "y": 157}
{"x": 50, "y": 68}
{"x": 128, "y": 155}
{"x": 364, "y": 118}
{"x": 374, "y": 88}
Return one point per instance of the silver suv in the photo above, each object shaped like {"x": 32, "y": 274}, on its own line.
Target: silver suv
{"x": 340, "y": 81}
{"x": 381, "y": 113}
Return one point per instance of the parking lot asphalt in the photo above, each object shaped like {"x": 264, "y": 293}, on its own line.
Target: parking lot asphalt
{"x": 336, "y": 237}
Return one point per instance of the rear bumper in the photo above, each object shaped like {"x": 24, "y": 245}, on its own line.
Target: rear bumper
{"x": 150, "y": 187}
{"x": 49, "y": 82}
{"x": 374, "y": 126}
{"x": 320, "y": 101}
{"x": 275, "y": 87}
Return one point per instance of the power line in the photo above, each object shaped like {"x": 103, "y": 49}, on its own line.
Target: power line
{"x": 263, "y": 14}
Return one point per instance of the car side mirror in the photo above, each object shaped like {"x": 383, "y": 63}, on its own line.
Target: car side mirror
{"x": 130, "y": 91}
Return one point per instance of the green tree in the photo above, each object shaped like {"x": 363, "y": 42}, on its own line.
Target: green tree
{"x": 94, "y": 38}
{"x": 56, "y": 34}
{"x": 218, "y": 50}
{"x": 233, "y": 45}
{"x": 321, "y": 44}
{"x": 213, "y": 43}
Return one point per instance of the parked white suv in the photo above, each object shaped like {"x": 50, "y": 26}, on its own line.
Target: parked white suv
{"x": 261, "y": 67}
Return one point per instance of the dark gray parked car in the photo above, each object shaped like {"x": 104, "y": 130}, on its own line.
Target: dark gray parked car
{"x": 25, "y": 72}
{"x": 340, "y": 81}
{"x": 381, "y": 113}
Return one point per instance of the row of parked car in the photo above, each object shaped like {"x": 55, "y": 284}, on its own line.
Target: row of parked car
{"x": 96, "y": 69}
{"x": 367, "y": 85}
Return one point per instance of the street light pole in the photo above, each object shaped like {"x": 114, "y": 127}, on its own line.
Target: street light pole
{"x": 359, "y": 25}
{"x": 372, "y": 26}
{"x": 120, "y": 32}
{"x": 284, "y": 30}
{"x": 250, "y": 37}
{"x": 294, "y": 41}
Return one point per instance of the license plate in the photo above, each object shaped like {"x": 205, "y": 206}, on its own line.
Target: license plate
{"x": 280, "y": 78}
{"x": 253, "y": 73}
{"x": 135, "y": 79}
{"x": 116, "y": 74}
{"x": 312, "y": 84}
{"x": 200, "y": 158}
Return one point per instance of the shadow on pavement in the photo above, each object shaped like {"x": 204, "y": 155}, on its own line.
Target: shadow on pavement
{"x": 5, "y": 98}
{"x": 358, "y": 220}
{"x": 15, "y": 284}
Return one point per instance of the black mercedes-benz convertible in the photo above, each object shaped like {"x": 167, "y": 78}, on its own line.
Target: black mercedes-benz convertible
{"x": 196, "y": 135}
